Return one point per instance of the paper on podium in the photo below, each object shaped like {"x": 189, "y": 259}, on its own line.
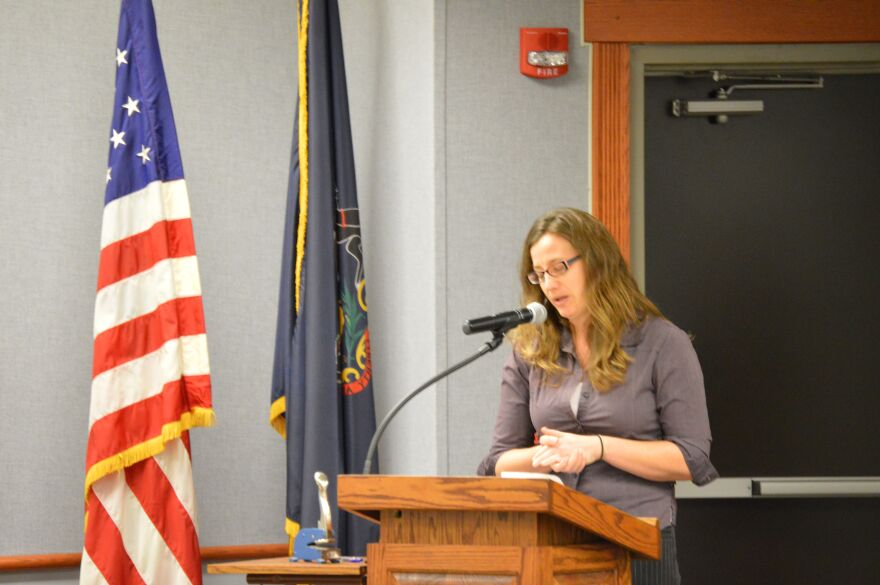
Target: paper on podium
{"x": 530, "y": 475}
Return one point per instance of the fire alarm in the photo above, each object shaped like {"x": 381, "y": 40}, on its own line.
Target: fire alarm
{"x": 543, "y": 52}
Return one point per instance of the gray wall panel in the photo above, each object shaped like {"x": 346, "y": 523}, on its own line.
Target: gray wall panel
{"x": 389, "y": 51}
{"x": 52, "y": 147}
{"x": 232, "y": 91}
{"x": 515, "y": 147}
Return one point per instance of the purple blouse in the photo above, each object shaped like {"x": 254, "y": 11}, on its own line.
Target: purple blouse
{"x": 662, "y": 397}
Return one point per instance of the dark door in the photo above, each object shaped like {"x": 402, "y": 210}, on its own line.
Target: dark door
{"x": 761, "y": 240}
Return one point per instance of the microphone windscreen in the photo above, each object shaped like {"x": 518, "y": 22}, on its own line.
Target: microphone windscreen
{"x": 539, "y": 313}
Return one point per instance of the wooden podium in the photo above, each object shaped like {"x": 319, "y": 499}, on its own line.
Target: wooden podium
{"x": 490, "y": 530}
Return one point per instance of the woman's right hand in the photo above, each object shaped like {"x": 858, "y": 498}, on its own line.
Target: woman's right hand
{"x": 566, "y": 452}
{"x": 519, "y": 460}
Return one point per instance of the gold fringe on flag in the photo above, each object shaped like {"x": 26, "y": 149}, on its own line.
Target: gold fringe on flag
{"x": 197, "y": 417}
{"x": 276, "y": 416}
{"x": 279, "y": 407}
{"x": 302, "y": 52}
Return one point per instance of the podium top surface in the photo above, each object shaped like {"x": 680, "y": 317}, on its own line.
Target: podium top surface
{"x": 369, "y": 495}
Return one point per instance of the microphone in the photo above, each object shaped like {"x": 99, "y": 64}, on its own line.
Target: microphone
{"x": 533, "y": 313}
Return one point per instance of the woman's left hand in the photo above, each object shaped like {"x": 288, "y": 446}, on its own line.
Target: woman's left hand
{"x": 566, "y": 452}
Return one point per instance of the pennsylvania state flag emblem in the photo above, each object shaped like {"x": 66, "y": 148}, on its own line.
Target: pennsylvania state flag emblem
{"x": 354, "y": 337}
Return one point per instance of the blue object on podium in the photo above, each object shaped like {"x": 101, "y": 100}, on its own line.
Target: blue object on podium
{"x": 302, "y": 544}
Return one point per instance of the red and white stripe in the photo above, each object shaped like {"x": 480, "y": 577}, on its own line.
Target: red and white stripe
{"x": 150, "y": 384}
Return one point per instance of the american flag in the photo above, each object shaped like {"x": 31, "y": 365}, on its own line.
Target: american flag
{"x": 150, "y": 376}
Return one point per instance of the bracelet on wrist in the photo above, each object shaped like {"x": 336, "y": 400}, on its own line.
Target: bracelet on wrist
{"x": 601, "y": 447}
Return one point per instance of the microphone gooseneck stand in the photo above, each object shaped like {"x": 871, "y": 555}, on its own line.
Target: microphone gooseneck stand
{"x": 492, "y": 344}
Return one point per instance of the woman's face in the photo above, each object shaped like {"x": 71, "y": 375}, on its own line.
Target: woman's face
{"x": 566, "y": 292}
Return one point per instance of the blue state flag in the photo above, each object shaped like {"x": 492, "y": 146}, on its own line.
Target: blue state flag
{"x": 322, "y": 396}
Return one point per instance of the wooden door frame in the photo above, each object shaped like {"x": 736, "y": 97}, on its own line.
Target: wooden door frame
{"x": 612, "y": 26}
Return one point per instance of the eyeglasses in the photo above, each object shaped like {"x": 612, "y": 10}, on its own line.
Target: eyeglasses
{"x": 555, "y": 270}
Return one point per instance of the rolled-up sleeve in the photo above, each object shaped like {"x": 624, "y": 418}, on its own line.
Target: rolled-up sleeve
{"x": 681, "y": 401}
{"x": 513, "y": 426}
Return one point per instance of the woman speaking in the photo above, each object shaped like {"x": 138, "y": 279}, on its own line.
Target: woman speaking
{"x": 606, "y": 393}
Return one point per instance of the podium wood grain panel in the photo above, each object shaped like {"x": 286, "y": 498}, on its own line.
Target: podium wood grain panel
{"x": 555, "y": 532}
{"x": 369, "y": 495}
{"x": 575, "y": 558}
{"x": 485, "y": 528}
{"x": 401, "y": 492}
{"x": 477, "y": 560}
{"x": 613, "y": 524}
{"x": 415, "y": 563}
{"x": 476, "y": 530}
{"x": 602, "y": 578}
{"x": 536, "y": 565}
{"x": 450, "y": 527}
{"x": 593, "y": 564}
{"x": 447, "y": 579}
{"x": 422, "y": 564}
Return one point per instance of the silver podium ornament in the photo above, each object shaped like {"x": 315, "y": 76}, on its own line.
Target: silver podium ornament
{"x": 327, "y": 545}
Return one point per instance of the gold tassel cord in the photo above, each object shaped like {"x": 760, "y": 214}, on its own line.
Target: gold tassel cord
{"x": 279, "y": 407}
{"x": 302, "y": 49}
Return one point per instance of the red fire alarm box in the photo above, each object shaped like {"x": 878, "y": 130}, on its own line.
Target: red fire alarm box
{"x": 543, "y": 52}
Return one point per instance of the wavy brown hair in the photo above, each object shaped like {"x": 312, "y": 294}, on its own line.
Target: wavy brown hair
{"x": 613, "y": 299}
